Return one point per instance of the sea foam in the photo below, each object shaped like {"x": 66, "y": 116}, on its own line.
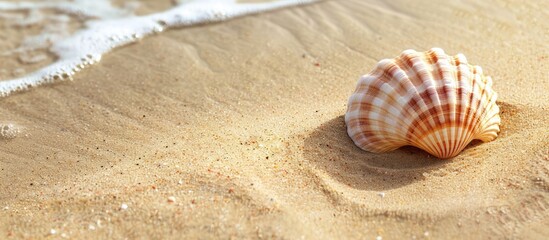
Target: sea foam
{"x": 110, "y": 27}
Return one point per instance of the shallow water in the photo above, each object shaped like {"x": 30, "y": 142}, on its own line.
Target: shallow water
{"x": 105, "y": 27}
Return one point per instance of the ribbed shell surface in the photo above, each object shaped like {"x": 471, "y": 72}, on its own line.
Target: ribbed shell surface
{"x": 429, "y": 100}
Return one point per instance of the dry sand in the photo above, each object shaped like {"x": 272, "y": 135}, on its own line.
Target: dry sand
{"x": 242, "y": 124}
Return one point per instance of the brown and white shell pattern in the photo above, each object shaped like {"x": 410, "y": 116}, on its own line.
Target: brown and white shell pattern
{"x": 429, "y": 100}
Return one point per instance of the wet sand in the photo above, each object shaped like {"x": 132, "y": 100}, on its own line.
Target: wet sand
{"x": 241, "y": 123}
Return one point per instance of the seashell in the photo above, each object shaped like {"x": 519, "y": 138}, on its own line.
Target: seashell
{"x": 430, "y": 100}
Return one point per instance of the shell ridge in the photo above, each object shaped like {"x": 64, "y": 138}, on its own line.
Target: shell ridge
{"x": 456, "y": 133}
{"x": 408, "y": 112}
{"x": 463, "y": 127}
{"x": 481, "y": 109}
{"x": 466, "y": 127}
{"x": 430, "y": 142}
{"x": 464, "y": 88}
{"x": 473, "y": 120}
{"x": 409, "y": 105}
{"x": 490, "y": 124}
{"x": 414, "y": 103}
{"x": 393, "y": 70}
{"x": 415, "y": 80}
{"x": 374, "y": 122}
{"x": 484, "y": 109}
{"x": 433, "y": 68}
{"x": 384, "y": 69}
{"x": 448, "y": 92}
{"x": 427, "y": 87}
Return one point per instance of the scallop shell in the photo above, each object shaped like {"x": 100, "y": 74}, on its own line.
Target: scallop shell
{"x": 429, "y": 100}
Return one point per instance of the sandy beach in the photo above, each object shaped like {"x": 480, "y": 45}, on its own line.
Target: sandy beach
{"x": 235, "y": 130}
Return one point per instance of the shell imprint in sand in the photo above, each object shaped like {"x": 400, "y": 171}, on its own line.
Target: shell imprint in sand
{"x": 429, "y": 100}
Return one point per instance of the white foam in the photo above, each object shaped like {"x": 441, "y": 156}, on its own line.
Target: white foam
{"x": 114, "y": 28}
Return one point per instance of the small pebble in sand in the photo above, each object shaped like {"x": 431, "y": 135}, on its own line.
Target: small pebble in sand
{"x": 6, "y": 208}
{"x": 171, "y": 199}
{"x": 379, "y": 238}
{"x": 53, "y": 231}
{"x": 426, "y": 233}
{"x": 180, "y": 182}
{"x": 91, "y": 227}
{"x": 381, "y": 194}
{"x": 123, "y": 206}
{"x": 9, "y": 131}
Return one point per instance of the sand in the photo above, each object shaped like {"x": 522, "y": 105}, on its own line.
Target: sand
{"x": 235, "y": 130}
